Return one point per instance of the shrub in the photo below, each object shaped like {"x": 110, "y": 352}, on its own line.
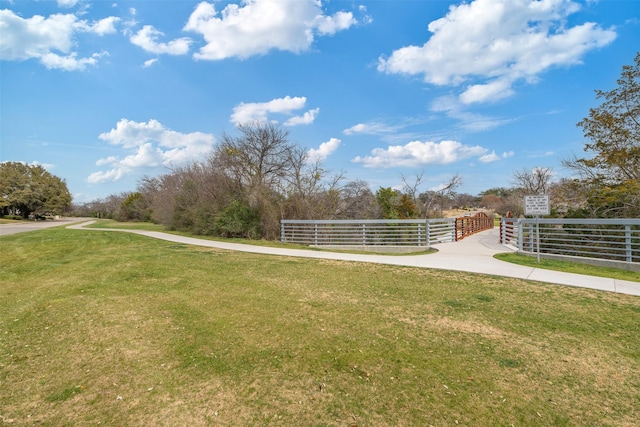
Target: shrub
{"x": 238, "y": 219}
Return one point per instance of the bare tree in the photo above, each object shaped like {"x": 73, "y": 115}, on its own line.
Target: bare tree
{"x": 358, "y": 201}
{"x": 262, "y": 161}
{"x": 261, "y": 157}
{"x": 304, "y": 184}
{"x": 446, "y": 190}
{"x": 534, "y": 181}
{"x": 411, "y": 189}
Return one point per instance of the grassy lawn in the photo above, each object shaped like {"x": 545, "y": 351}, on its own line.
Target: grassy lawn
{"x": 119, "y": 329}
{"x": 570, "y": 267}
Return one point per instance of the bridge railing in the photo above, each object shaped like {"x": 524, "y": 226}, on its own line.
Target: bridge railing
{"x": 468, "y": 225}
{"x": 397, "y": 232}
{"x": 615, "y": 240}
{"x": 378, "y": 232}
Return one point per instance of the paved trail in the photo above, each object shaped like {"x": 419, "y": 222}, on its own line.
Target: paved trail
{"x": 24, "y": 226}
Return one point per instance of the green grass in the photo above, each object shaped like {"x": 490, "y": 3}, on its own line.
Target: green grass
{"x": 570, "y": 267}
{"x": 565, "y": 266}
{"x": 106, "y": 223}
{"x": 119, "y": 329}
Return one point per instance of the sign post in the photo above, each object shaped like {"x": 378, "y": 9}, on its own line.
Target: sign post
{"x": 537, "y": 205}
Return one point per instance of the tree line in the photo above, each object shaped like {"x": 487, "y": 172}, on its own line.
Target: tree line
{"x": 248, "y": 184}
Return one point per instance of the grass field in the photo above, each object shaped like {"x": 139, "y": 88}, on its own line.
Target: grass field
{"x": 117, "y": 329}
{"x": 570, "y": 267}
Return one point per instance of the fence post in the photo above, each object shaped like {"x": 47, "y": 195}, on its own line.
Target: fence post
{"x": 427, "y": 232}
{"x": 455, "y": 230}
{"x": 315, "y": 234}
{"x": 282, "y": 238}
{"x": 455, "y": 236}
{"x": 627, "y": 241}
{"x": 364, "y": 234}
{"x": 520, "y": 236}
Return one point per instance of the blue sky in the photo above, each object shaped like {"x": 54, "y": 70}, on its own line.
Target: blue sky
{"x": 103, "y": 93}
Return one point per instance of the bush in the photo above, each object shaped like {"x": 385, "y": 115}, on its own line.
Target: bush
{"x": 238, "y": 219}
{"x": 204, "y": 221}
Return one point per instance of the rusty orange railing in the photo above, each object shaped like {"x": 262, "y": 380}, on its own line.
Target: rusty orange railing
{"x": 468, "y": 225}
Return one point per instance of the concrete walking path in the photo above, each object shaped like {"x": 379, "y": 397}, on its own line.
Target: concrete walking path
{"x": 25, "y": 226}
{"x": 474, "y": 254}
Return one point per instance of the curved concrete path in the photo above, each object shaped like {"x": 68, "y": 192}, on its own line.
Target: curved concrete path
{"x": 473, "y": 254}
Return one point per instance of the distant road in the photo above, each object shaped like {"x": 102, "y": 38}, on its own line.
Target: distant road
{"x": 24, "y": 226}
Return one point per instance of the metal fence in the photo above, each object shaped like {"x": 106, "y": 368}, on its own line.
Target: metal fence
{"x": 401, "y": 232}
{"x": 605, "y": 239}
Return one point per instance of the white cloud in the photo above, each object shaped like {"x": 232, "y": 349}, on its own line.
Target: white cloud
{"x": 67, "y": 3}
{"x": 494, "y": 91}
{"x": 469, "y": 121}
{"x": 418, "y": 153}
{"x": 372, "y": 128}
{"x": 366, "y": 18}
{"x": 51, "y": 40}
{"x": 305, "y": 119}
{"x": 147, "y": 37}
{"x": 106, "y": 161}
{"x": 259, "y": 111}
{"x": 493, "y": 157}
{"x": 104, "y": 26}
{"x": 359, "y": 128}
{"x": 69, "y": 62}
{"x": 132, "y": 134}
{"x": 131, "y": 23}
{"x": 325, "y": 150}
{"x": 147, "y": 145}
{"x": 110, "y": 175}
{"x": 148, "y": 63}
{"x": 257, "y": 26}
{"x": 333, "y": 24}
{"x": 491, "y": 44}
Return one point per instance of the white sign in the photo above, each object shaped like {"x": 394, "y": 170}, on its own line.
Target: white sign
{"x": 536, "y": 205}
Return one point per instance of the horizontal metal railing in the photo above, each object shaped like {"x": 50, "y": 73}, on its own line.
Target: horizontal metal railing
{"x": 605, "y": 239}
{"x": 400, "y": 232}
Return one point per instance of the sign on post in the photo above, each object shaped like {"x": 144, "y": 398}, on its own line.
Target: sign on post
{"x": 536, "y": 205}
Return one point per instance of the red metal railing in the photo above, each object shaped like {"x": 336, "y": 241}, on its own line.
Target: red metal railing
{"x": 468, "y": 225}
